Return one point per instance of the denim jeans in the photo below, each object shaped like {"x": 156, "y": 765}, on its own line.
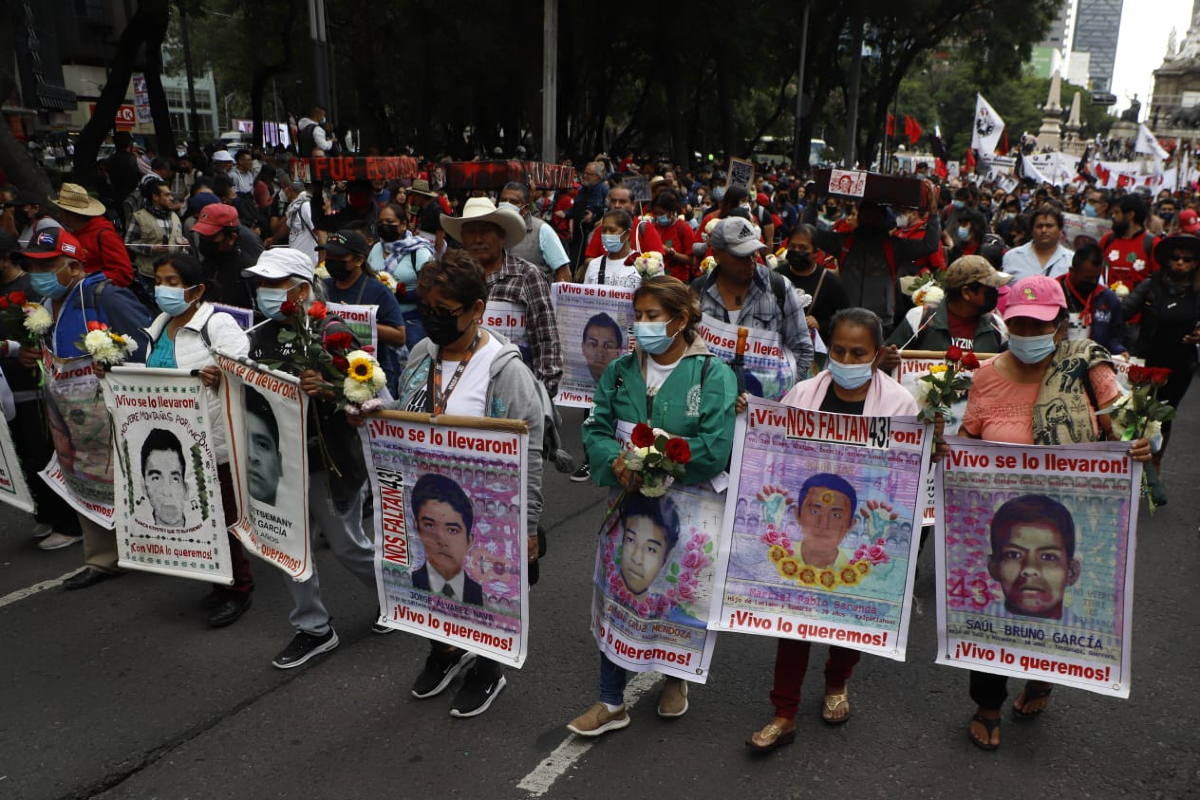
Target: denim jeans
{"x": 612, "y": 682}
{"x": 342, "y": 526}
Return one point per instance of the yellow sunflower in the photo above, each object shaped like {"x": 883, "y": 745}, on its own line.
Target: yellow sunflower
{"x": 827, "y": 578}
{"x": 788, "y": 567}
{"x": 362, "y": 368}
{"x": 864, "y": 566}
{"x": 776, "y": 553}
{"x": 849, "y": 576}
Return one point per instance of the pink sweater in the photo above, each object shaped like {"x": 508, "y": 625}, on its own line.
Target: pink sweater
{"x": 885, "y": 398}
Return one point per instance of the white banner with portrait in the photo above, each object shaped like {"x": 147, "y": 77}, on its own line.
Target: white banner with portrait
{"x": 169, "y": 514}
{"x": 451, "y": 554}
{"x": 770, "y": 367}
{"x": 266, "y": 416}
{"x": 593, "y": 327}
{"x": 508, "y": 320}
{"x": 14, "y": 489}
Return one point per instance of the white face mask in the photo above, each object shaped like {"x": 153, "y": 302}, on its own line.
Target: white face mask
{"x": 902, "y": 220}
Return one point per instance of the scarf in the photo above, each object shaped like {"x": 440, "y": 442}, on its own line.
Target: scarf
{"x": 1066, "y": 406}
{"x": 397, "y": 250}
{"x": 156, "y": 210}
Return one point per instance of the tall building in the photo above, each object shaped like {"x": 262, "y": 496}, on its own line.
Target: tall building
{"x": 1053, "y": 52}
{"x": 1097, "y": 26}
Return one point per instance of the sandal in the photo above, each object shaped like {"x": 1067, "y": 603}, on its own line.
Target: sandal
{"x": 990, "y": 726}
{"x": 834, "y": 701}
{"x": 1031, "y": 694}
{"x": 770, "y": 737}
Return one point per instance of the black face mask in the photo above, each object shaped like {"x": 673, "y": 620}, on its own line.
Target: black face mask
{"x": 209, "y": 248}
{"x": 991, "y": 296}
{"x": 799, "y": 261}
{"x": 20, "y": 218}
{"x": 388, "y": 233}
{"x": 338, "y": 270}
{"x": 441, "y": 326}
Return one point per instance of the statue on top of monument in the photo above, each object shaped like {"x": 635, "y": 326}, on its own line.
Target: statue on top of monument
{"x": 1134, "y": 112}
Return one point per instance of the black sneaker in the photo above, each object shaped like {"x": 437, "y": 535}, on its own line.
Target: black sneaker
{"x": 479, "y": 689}
{"x": 440, "y": 668}
{"x": 303, "y": 647}
{"x": 584, "y": 473}
{"x": 378, "y": 627}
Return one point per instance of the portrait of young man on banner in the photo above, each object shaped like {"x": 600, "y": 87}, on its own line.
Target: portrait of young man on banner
{"x": 594, "y": 324}
{"x": 444, "y": 518}
{"x": 164, "y": 485}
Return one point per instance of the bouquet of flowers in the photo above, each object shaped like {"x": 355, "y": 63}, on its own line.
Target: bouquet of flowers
{"x": 708, "y": 265}
{"x": 23, "y": 321}
{"x": 945, "y": 384}
{"x": 364, "y": 381}
{"x": 387, "y": 279}
{"x": 1120, "y": 289}
{"x": 1140, "y": 414}
{"x": 925, "y": 288}
{"x": 649, "y": 264}
{"x": 659, "y": 457}
{"x": 106, "y": 346}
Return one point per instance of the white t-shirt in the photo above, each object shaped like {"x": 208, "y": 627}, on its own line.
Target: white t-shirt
{"x": 616, "y": 273}
{"x": 300, "y": 228}
{"x": 734, "y": 316}
{"x": 657, "y": 374}
{"x": 469, "y": 398}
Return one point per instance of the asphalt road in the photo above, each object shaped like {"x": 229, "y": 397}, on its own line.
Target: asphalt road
{"x": 120, "y": 691}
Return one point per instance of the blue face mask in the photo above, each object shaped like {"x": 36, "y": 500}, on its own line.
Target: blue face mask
{"x": 269, "y": 302}
{"x": 46, "y": 284}
{"x": 612, "y": 242}
{"x": 1031, "y": 349}
{"x": 510, "y": 206}
{"x": 663, "y": 219}
{"x": 1089, "y": 210}
{"x": 652, "y": 337}
{"x": 851, "y": 376}
{"x": 959, "y": 204}
{"x": 964, "y": 233}
{"x": 170, "y": 299}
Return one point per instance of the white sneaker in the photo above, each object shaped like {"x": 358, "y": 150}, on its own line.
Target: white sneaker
{"x": 57, "y": 541}
{"x": 42, "y": 530}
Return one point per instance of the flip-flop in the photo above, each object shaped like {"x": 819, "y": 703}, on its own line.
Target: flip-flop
{"x": 990, "y": 726}
{"x": 834, "y": 700}
{"x": 774, "y": 737}
{"x": 1031, "y": 694}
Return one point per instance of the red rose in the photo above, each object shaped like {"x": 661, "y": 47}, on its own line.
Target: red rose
{"x": 317, "y": 310}
{"x": 288, "y": 308}
{"x": 642, "y": 436}
{"x": 401, "y": 290}
{"x": 340, "y": 363}
{"x": 3, "y": 302}
{"x": 340, "y": 340}
{"x": 1138, "y": 375}
{"x": 954, "y": 353}
{"x": 679, "y": 451}
{"x": 369, "y": 349}
{"x": 17, "y": 298}
{"x": 95, "y": 326}
{"x": 970, "y": 360}
{"x": 1159, "y": 375}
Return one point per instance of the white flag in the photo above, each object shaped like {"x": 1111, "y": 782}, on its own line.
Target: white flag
{"x": 988, "y": 128}
{"x": 1148, "y": 145}
{"x": 1030, "y": 171}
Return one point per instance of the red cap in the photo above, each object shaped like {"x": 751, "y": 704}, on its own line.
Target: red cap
{"x": 215, "y": 218}
{"x": 1189, "y": 221}
{"x": 52, "y": 243}
{"x": 762, "y": 199}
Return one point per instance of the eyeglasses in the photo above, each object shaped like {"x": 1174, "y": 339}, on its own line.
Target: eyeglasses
{"x": 1182, "y": 257}
{"x": 430, "y": 311}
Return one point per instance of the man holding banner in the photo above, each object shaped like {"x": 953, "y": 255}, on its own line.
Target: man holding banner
{"x": 82, "y": 469}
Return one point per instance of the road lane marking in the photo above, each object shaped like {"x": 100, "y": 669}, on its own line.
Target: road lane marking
{"x": 30, "y": 591}
{"x": 573, "y": 748}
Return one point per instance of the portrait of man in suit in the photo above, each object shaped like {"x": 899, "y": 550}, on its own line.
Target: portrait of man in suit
{"x": 444, "y": 517}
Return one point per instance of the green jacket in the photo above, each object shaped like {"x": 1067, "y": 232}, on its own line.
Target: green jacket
{"x": 703, "y": 414}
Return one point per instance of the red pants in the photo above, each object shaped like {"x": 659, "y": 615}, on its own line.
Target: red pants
{"x": 791, "y": 662}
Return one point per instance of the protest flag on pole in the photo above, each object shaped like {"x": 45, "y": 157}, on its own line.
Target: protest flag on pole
{"x": 988, "y": 128}
{"x": 1147, "y": 145}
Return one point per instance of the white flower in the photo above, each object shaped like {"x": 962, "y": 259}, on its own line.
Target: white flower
{"x": 321, "y": 272}
{"x": 921, "y": 394}
{"x": 772, "y": 262}
{"x": 708, "y": 264}
{"x": 649, "y": 490}
{"x": 37, "y": 319}
{"x": 1153, "y": 429}
{"x": 802, "y": 297}
{"x": 356, "y": 391}
{"x": 387, "y": 280}
{"x": 931, "y": 295}
{"x": 649, "y": 264}
{"x": 1120, "y": 289}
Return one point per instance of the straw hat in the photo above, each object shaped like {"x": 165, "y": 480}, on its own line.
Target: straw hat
{"x": 482, "y": 209}
{"x": 74, "y": 198}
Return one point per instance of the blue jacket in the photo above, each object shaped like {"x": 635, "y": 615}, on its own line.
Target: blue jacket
{"x": 1108, "y": 320}
{"x": 96, "y": 298}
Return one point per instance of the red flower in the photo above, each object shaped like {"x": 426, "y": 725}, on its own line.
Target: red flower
{"x": 368, "y": 348}
{"x": 288, "y": 308}
{"x": 954, "y": 353}
{"x": 340, "y": 363}
{"x": 401, "y": 290}
{"x": 96, "y": 326}
{"x": 341, "y": 340}
{"x": 17, "y": 298}
{"x": 679, "y": 451}
{"x": 3, "y": 302}
{"x": 970, "y": 360}
{"x": 1139, "y": 376}
{"x": 1159, "y": 375}
{"x": 317, "y": 310}
{"x": 642, "y": 436}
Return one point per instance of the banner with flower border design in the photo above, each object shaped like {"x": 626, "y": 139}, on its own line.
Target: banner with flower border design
{"x": 821, "y": 528}
{"x": 169, "y": 512}
{"x": 1035, "y": 552}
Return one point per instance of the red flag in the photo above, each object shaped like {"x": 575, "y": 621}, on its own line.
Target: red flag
{"x": 1103, "y": 172}
{"x": 939, "y": 169}
{"x": 891, "y": 126}
{"x": 1002, "y": 149}
{"x": 1123, "y": 181}
{"x": 912, "y": 129}
{"x": 969, "y": 162}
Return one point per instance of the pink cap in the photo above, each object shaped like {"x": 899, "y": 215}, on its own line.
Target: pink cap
{"x": 1035, "y": 296}
{"x": 215, "y": 218}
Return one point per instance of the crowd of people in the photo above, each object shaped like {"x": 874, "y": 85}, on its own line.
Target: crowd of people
{"x": 153, "y": 250}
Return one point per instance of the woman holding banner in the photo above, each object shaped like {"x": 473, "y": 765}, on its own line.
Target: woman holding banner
{"x": 671, "y": 381}
{"x": 463, "y": 370}
{"x": 851, "y": 383}
{"x": 1044, "y": 390}
{"x": 183, "y": 336}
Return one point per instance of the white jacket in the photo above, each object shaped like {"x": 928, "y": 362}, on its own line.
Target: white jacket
{"x": 192, "y": 353}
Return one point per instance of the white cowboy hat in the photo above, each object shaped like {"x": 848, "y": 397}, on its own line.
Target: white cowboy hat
{"x": 73, "y": 197}
{"x": 482, "y": 209}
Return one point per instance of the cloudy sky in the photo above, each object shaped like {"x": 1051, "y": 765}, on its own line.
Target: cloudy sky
{"x": 1142, "y": 45}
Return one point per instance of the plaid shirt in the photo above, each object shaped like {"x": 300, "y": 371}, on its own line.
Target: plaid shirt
{"x": 761, "y": 310}
{"x": 518, "y": 281}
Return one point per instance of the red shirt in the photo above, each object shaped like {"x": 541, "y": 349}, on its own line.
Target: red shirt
{"x": 1127, "y": 260}
{"x": 680, "y": 237}
{"x": 104, "y": 250}
{"x": 645, "y": 239}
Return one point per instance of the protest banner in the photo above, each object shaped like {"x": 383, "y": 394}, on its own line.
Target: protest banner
{"x": 638, "y": 186}
{"x": 467, "y": 175}
{"x": 360, "y": 319}
{"x": 244, "y": 317}
{"x": 81, "y": 469}
{"x": 654, "y": 582}
{"x": 914, "y": 364}
{"x": 593, "y": 327}
{"x": 1035, "y": 552}
{"x": 741, "y": 173}
{"x": 351, "y": 168}
{"x": 770, "y": 367}
{"x": 450, "y": 508}
{"x": 266, "y": 417}
{"x": 508, "y": 320}
{"x": 820, "y": 532}
{"x": 1122, "y": 362}
{"x": 1077, "y": 227}
{"x": 14, "y": 490}
{"x": 169, "y": 515}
